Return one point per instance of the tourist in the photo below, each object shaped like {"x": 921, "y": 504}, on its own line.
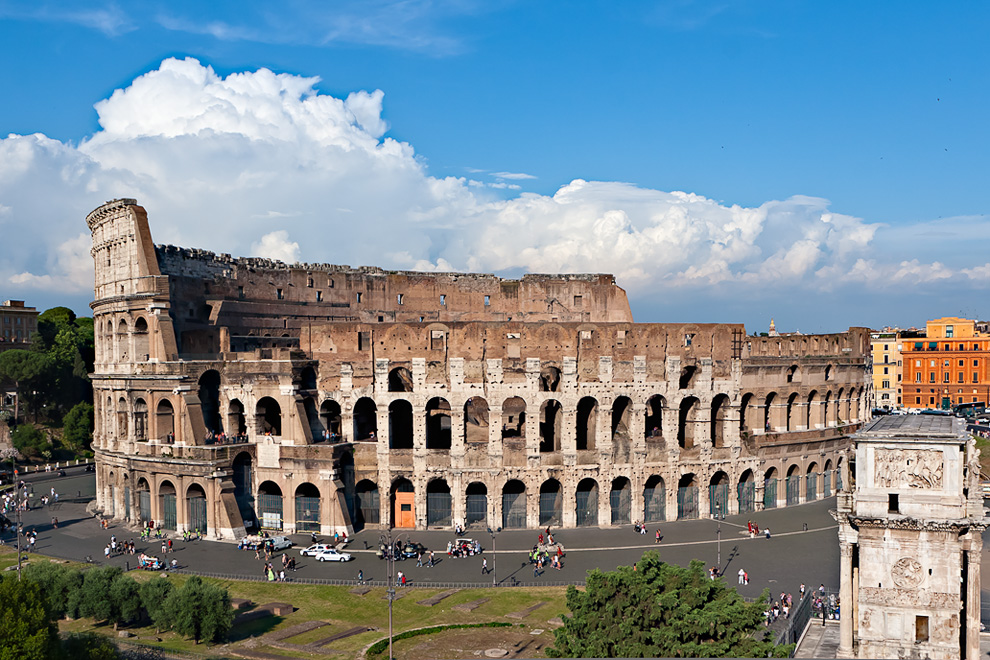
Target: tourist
{"x": 742, "y": 576}
{"x": 484, "y": 566}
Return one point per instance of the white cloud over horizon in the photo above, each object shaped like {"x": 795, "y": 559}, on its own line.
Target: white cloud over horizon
{"x": 262, "y": 164}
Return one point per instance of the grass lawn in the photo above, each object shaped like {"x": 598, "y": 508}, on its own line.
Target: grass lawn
{"x": 342, "y": 609}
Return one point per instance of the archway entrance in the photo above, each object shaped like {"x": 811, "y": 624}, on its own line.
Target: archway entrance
{"x": 270, "y": 505}
{"x": 307, "y": 508}
{"x": 586, "y": 503}
{"x": 438, "y": 504}
{"x": 551, "y": 503}
{"x": 620, "y": 501}
{"x": 368, "y": 509}
{"x": 243, "y": 488}
{"x": 654, "y": 500}
{"x": 687, "y": 497}
{"x": 514, "y": 505}
{"x": 196, "y": 501}
{"x": 403, "y": 504}
{"x": 477, "y": 504}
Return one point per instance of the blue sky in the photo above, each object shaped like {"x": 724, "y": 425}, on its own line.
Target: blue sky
{"x": 820, "y": 163}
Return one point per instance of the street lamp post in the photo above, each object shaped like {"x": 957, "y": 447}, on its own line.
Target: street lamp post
{"x": 718, "y": 531}
{"x": 494, "y": 555}
{"x": 385, "y": 540}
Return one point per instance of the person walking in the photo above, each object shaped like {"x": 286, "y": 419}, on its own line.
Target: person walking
{"x": 742, "y": 575}
{"x": 658, "y": 536}
{"x": 767, "y": 532}
{"x": 361, "y": 576}
{"x": 484, "y": 566}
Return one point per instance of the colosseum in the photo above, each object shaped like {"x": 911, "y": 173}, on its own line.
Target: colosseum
{"x": 237, "y": 394}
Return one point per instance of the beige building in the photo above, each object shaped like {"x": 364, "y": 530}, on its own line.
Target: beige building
{"x": 18, "y": 324}
{"x": 885, "y": 348}
{"x": 910, "y": 535}
{"x": 240, "y": 393}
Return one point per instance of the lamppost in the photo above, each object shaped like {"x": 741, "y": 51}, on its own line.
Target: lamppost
{"x": 494, "y": 555}
{"x": 719, "y": 514}
{"x": 386, "y": 542}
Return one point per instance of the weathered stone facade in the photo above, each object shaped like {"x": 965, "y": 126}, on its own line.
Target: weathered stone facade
{"x": 910, "y": 537}
{"x": 328, "y": 397}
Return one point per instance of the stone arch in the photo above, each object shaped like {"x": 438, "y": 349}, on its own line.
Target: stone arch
{"x": 746, "y": 492}
{"x": 551, "y": 503}
{"x": 307, "y": 501}
{"x": 313, "y": 421}
{"x": 400, "y": 380}
{"x": 654, "y": 499}
{"x": 122, "y": 342}
{"x": 270, "y": 506}
{"x": 840, "y": 407}
{"x": 209, "y": 400}
{"x": 828, "y": 411}
{"x": 812, "y": 417}
{"x": 514, "y": 418}
{"x": 437, "y": 424}
{"x": 307, "y": 378}
{"x": 687, "y": 420}
{"x": 476, "y": 509}
{"x": 718, "y": 495}
{"x": 770, "y": 480}
{"x": 549, "y": 379}
{"x": 620, "y": 501}
{"x": 687, "y": 497}
{"x": 268, "y": 417}
{"x": 793, "y": 374}
{"x": 122, "y": 414}
{"x": 365, "y": 419}
{"x": 438, "y": 504}
{"x": 111, "y": 351}
{"x": 400, "y": 424}
{"x": 811, "y": 483}
{"x": 140, "y": 420}
{"x": 166, "y": 504}
{"x": 827, "y": 480}
{"x": 551, "y": 419}
{"x": 747, "y": 414}
{"x": 768, "y": 416}
{"x": 330, "y": 416}
{"x": 403, "y": 507}
{"x": 586, "y": 423}
{"x": 196, "y": 509}
{"x": 165, "y": 421}
{"x": 654, "y": 416}
{"x": 791, "y": 419}
{"x": 143, "y": 500}
{"x": 586, "y": 503}
{"x": 720, "y": 410}
{"x": 793, "y": 484}
{"x": 236, "y": 422}
{"x": 514, "y": 505}
{"x": 142, "y": 346}
{"x": 242, "y": 468}
{"x": 828, "y": 372}
{"x": 476, "y": 420}
{"x": 621, "y": 418}
{"x": 367, "y": 509}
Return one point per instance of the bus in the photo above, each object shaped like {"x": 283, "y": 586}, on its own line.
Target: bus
{"x": 969, "y": 410}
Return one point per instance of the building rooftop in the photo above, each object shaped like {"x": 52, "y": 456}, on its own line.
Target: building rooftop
{"x": 900, "y": 426}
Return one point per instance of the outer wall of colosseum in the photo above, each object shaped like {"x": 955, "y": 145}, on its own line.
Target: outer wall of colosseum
{"x": 240, "y": 393}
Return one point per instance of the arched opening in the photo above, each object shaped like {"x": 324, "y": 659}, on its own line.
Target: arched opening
{"x": 236, "y": 423}
{"x": 476, "y": 512}
{"x": 403, "y": 504}
{"x": 840, "y": 407}
{"x": 244, "y": 488}
{"x": 144, "y": 501}
{"x": 551, "y": 503}
{"x": 793, "y": 485}
{"x": 307, "y": 508}
{"x": 828, "y": 410}
{"x": 654, "y": 417}
{"x": 746, "y": 492}
{"x": 400, "y": 380}
{"x": 654, "y": 500}
{"x": 270, "y": 505}
{"x": 687, "y": 497}
{"x": 514, "y": 418}
{"x": 839, "y": 467}
{"x": 549, "y": 379}
{"x": 476, "y": 421}
{"x": 792, "y": 374}
{"x": 268, "y": 417}
{"x": 828, "y": 372}
{"x": 330, "y": 416}
{"x": 621, "y": 418}
{"x": 166, "y": 503}
{"x": 768, "y": 420}
{"x": 687, "y": 420}
{"x": 369, "y": 508}
{"x": 400, "y": 424}
{"x": 141, "y": 343}
{"x": 770, "y": 489}
{"x": 791, "y": 412}
{"x": 811, "y": 419}
{"x": 316, "y": 431}
{"x": 438, "y": 504}
{"x": 586, "y": 503}
{"x": 438, "y": 424}
{"x": 718, "y": 495}
{"x": 123, "y": 354}
{"x": 196, "y": 508}
{"x": 514, "y": 505}
{"x": 347, "y": 477}
{"x": 140, "y": 420}
{"x": 551, "y": 417}
{"x": 122, "y": 425}
{"x": 586, "y": 423}
{"x": 746, "y": 415}
{"x": 365, "y": 419}
{"x": 811, "y": 483}
{"x": 209, "y": 402}
{"x": 307, "y": 379}
{"x": 827, "y": 479}
{"x": 620, "y": 501}
{"x": 720, "y": 409}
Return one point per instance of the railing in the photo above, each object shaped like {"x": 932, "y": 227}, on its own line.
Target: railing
{"x": 796, "y": 624}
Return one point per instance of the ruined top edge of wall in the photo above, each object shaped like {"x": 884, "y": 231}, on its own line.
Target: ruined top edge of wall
{"x": 259, "y": 263}
{"x": 108, "y": 209}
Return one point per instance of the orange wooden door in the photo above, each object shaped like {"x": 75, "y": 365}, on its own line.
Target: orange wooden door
{"x": 405, "y": 516}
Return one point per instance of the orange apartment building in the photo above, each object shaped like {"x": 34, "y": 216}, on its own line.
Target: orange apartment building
{"x": 948, "y": 366}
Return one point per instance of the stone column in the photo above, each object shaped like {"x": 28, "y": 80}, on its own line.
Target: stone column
{"x": 972, "y": 622}
{"x": 637, "y": 432}
{"x": 846, "y": 611}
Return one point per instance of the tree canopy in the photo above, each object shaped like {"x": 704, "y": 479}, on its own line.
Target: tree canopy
{"x": 661, "y": 610}
{"x": 27, "y": 627}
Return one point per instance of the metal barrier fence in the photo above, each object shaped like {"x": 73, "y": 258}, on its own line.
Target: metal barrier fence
{"x": 796, "y": 624}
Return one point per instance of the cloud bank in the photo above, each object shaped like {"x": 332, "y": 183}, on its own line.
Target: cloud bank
{"x": 262, "y": 164}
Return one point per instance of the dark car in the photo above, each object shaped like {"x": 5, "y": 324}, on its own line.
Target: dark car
{"x": 61, "y": 473}
{"x": 89, "y": 467}
{"x": 413, "y": 549}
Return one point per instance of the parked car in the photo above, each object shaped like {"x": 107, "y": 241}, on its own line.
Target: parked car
{"x": 332, "y": 554}
{"x": 280, "y": 543}
{"x": 412, "y": 549}
{"x": 315, "y": 549}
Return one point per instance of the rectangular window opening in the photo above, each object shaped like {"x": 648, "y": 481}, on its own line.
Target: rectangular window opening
{"x": 443, "y": 299}
{"x": 364, "y": 341}
{"x": 893, "y": 506}
{"x": 920, "y": 629}
{"x": 279, "y": 294}
{"x": 319, "y": 296}
{"x": 358, "y": 296}
{"x": 398, "y": 298}
{"x": 488, "y": 301}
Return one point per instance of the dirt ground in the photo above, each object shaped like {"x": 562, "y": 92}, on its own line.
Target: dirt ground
{"x": 516, "y": 642}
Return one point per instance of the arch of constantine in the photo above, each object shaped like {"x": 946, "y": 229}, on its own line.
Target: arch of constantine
{"x": 234, "y": 394}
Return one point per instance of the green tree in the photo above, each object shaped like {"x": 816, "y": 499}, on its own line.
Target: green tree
{"x": 28, "y": 371}
{"x": 89, "y": 646}
{"x": 27, "y": 627}
{"x": 77, "y": 429}
{"x": 57, "y": 582}
{"x": 109, "y": 595}
{"x": 30, "y": 441}
{"x": 154, "y": 594}
{"x": 200, "y": 610}
{"x": 661, "y": 610}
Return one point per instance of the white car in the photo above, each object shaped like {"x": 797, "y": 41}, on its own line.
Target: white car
{"x": 332, "y": 554}
{"x": 280, "y": 543}
{"x": 315, "y": 549}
